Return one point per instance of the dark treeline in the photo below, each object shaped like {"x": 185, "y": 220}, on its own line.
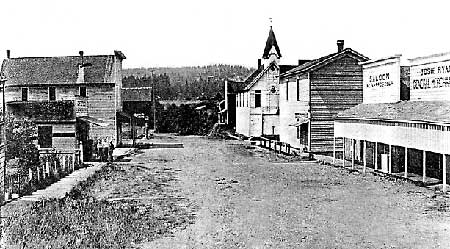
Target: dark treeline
{"x": 187, "y": 119}
{"x": 185, "y": 83}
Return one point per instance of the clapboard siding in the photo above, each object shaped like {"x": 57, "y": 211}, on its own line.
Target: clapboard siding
{"x": 334, "y": 87}
{"x": 101, "y": 105}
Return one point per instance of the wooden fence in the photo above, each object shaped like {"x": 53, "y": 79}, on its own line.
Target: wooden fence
{"x": 53, "y": 166}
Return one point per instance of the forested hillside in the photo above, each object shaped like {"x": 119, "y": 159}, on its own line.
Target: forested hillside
{"x": 185, "y": 82}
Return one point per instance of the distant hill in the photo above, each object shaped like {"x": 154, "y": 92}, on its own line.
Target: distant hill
{"x": 185, "y": 83}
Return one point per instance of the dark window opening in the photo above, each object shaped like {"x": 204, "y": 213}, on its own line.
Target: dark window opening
{"x": 51, "y": 93}
{"x": 257, "y": 98}
{"x": 304, "y": 134}
{"x": 83, "y": 92}
{"x": 287, "y": 90}
{"x": 24, "y": 94}
{"x": 45, "y": 136}
{"x": 273, "y": 130}
{"x": 298, "y": 90}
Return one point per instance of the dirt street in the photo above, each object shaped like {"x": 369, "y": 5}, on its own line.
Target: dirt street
{"x": 248, "y": 198}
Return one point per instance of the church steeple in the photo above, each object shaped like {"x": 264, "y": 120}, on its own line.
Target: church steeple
{"x": 271, "y": 46}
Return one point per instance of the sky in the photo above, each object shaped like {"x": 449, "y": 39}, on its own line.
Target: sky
{"x": 201, "y": 32}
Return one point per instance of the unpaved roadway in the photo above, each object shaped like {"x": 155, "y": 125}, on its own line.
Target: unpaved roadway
{"x": 245, "y": 197}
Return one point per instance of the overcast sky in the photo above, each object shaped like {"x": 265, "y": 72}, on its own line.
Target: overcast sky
{"x": 201, "y": 32}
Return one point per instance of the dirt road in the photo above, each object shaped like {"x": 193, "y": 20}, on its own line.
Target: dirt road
{"x": 227, "y": 194}
{"x": 247, "y": 198}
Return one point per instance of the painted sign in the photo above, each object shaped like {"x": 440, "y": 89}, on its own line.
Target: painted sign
{"x": 81, "y": 107}
{"x": 381, "y": 81}
{"x": 431, "y": 80}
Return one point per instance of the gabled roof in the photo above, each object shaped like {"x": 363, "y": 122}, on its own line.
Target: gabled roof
{"x": 58, "y": 70}
{"x": 271, "y": 42}
{"x": 261, "y": 71}
{"x": 236, "y": 86}
{"x": 422, "y": 111}
{"x": 317, "y": 63}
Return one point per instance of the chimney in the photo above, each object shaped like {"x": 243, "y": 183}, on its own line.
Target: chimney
{"x": 82, "y": 57}
{"x": 340, "y": 45}
{"x": 8, "y": 54}
{"x": 259, "y": 63}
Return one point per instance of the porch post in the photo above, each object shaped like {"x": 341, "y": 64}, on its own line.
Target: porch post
{"x": 364, "y": 156}
{"x": 343, "y": 152}
{"x": 334, "y": 149}
{"x": 424, "y": 166}
{"x": 353, "y": 153}
{"x": 376, "y": 155}
{"x": 390, "y": 160}
{"x": 444, "y": 172}
{"x": 406, "y": 162}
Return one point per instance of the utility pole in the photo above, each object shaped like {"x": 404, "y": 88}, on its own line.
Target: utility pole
{"x": 154, "y": 103}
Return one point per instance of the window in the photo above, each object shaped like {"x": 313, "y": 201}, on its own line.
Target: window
{"x": 24, "y": 93}
{"x": 257, "y": 98}
{"x": 51, "y": 93}
{"x": 287, "y": 90}
{"x": 298, "y": 90}
{"x": 83, "y": 92}
{"x": 273, "y": 130}
{"x": 45, "y": 136}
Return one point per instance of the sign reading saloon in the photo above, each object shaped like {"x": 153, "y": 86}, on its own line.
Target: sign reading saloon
{"x": 381, "y": 81}
{"x": 430, "y": 80}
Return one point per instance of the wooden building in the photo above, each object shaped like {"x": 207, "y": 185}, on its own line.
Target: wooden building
{"x": 73, "y": 99}
{"x": 257, "y": 105}
{"x": 403, "y": 125}
{"x": 313, "y": 93}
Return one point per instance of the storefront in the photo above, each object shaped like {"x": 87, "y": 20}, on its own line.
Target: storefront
{"x": 409, "y": 138}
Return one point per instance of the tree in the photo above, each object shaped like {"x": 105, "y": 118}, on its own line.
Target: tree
{"x": 20, "y": 146}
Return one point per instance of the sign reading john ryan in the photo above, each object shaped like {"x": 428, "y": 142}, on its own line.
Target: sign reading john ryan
{"x": 381, "y": 81}
{"x": 431, "y": 80}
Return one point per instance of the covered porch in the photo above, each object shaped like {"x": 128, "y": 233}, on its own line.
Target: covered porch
{"x": 415, "y": 150}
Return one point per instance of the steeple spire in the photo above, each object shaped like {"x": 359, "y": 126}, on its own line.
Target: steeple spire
{"x": 271, "y": 43}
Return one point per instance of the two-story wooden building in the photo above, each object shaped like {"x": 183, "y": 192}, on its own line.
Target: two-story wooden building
{"x": 257, "y": 105}
{"x": 313, "y": 93}
{"x": 74, "y": 100}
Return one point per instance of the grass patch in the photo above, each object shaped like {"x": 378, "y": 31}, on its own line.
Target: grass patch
{"x": 82, "y": 221}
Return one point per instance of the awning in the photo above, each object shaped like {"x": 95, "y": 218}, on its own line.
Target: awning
{"x": 94, "y": 121}
{"x": 300, "y": 121}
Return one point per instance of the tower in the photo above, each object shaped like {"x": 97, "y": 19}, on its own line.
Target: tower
{"x": 271, "y": 51}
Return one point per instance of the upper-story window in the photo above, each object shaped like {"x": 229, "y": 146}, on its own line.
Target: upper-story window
{"x": 298, "y": 90}
{"x": 257, "y": 98}
{"x": 24, "y": 93}
{"x": 51, "y": 93}
{"x": 83, "y": 92}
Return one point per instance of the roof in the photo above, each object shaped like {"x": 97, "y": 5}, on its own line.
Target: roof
{"x": 235, "y": 86}
{"x": 317, "y": 63}
{"x": 425, "y": 111}
{"x": 58, "y": 70}
{"x": 137, "y": 94}
{"x": 271, "y": 42}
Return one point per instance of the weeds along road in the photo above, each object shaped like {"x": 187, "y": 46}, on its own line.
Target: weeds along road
{"x": 227, "y": 194}
{"x": 249, "y": 198}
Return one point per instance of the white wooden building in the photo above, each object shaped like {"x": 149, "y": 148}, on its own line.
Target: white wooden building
{"x": 257, "y": 105}
{"x": 403, "y": 125}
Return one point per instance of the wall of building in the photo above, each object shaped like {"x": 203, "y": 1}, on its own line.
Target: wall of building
{"x": 430, "y": 78}
{"x": 64, "y": 137}
{"x": 381, "y": 81}
{"x": 334, "y": 88}
{"x": 101, "y": 105}
{"x": 243, "y": 120}
{"x": 289, "y": 106}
